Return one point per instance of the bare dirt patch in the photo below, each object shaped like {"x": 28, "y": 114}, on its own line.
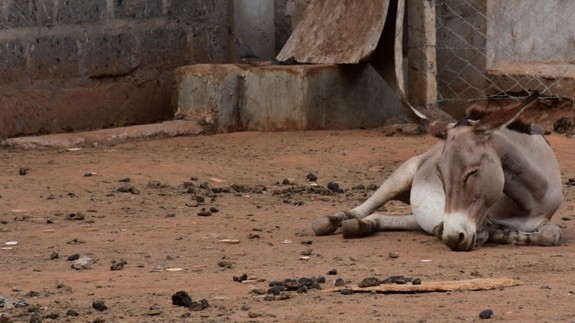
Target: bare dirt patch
{"x": 220, "y": 217}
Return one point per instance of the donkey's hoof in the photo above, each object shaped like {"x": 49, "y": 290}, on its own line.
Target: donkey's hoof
{"x": 324, "y": 226}
{"x": 355, "y": 228}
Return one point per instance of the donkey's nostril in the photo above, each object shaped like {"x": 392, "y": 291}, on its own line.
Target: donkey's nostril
{"x": 461, "y": 237}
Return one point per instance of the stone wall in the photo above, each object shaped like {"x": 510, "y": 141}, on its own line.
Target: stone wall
{"x": 88, "y": 64}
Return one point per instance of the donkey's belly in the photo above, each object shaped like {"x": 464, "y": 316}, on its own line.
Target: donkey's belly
{"x": 427, "y": 198}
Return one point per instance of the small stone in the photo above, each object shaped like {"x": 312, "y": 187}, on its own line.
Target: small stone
{"x": 240, "y": 278}
{"x": 72, "y": 313}
{"x": 127, "y": 188}
{"x": 23, "y": 171}
{"x": 333, "y": 186}
{"x": 339, "y": 282}
{"x": 199, "y": 306}
{"x": 83, "y": 263}
{"x": 275, "y": 290}
{"x": 21, "y": 303}
{"x": 76, "y": 216}
{"x": 99, "y": 306}
{"x": 119, "y": 265}
{"x": 204, "y": 212}
{"x": 416, "y": 281}
{"x": 52, "y": 316}
{"x": 54, "y": 255}
{"x": 225, "y": 264}
{"x": 332, "y": 272}
{"x": 395, "y": 280}
{"x": 346, "y": 291}
{"x": 486, "y": 314}
{"x": 311, "y": 177}
{"x": 306, "y": 252}
{"x": 393, "y": 255}
{"x": 73, "y": 257}
{"x": 253, "y": 236}
{"x": 369, "y": 282}
{"x": 288, "y": 181}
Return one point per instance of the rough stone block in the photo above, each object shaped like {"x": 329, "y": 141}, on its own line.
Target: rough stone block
{"x": 52, "y": 107}
{"x": 145, "y": 102}
{"x": 30, "y": 13}
{"x": 211, "y": 45}
{"x": 79, "y": 108}
{"x": 12, "y": 61}
{"x": 24, "y": 112}
{"x": 272, "y": 97}
{"x": 197, "y": 9}
{"x": 137, "y": 8}
{"x": 2, "y": 18}
{"x": 163, "y": 47}
{"x": 78, "y": 11}
{"x": 109, "y": 55}
{"x": 54, "y": 57}
{"x": 306, "y": 97}
{"x": 210, "y": 93}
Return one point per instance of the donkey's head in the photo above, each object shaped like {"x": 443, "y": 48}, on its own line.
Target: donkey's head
{"x": 471, "y": 172}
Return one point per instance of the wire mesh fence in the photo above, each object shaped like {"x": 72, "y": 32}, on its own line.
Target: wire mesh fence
{"x": 489, "y": 49}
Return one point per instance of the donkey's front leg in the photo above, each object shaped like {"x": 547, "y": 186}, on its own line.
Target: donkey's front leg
{"x": 397, "y": 186}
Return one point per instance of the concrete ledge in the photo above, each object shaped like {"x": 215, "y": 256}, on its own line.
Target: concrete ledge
{"x": 549, "y": 79}
{"x": 107, "y": 136}
{"x": 232, "y": 97}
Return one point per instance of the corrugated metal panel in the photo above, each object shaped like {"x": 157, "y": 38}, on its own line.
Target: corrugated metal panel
{"x": 337, "y": 32}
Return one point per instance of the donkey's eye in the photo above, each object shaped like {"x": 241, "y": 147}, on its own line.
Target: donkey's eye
{"x": 470, "y": 174}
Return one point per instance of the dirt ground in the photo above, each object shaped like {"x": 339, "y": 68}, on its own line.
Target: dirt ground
{"x": 134, "y": 206}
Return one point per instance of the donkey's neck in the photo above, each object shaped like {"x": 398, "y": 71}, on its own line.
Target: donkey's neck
{"x": 525, "y": 180}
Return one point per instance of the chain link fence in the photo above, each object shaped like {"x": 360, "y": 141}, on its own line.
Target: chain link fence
{"x": 491, "y": 49}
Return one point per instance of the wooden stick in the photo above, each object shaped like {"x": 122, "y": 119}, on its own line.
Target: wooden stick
{"x": 437, "y": 286}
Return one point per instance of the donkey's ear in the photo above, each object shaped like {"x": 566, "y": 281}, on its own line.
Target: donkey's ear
{"x": 436, "y": 128}
{"x": 502, "y": 118}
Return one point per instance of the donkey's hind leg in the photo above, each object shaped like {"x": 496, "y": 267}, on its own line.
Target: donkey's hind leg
{"x": 547, "y": 234}
{"x": 356, "y": 228}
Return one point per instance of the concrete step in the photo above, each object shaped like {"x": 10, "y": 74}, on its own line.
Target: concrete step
{"x": 106, "y": 136}
{"x": 550, "y": 79}
{"x": 266, "y": 97}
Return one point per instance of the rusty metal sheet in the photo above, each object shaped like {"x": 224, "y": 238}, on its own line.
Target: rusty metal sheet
{"x": 337, "y": 32}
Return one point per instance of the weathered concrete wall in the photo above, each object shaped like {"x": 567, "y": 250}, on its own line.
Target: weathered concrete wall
{"x": 88, "y": 64}
{"x": 254, "y": 23}
{"x": 488, "y": 47}
{"x": 530, "y": 31}
{"x": 274, "y": 97}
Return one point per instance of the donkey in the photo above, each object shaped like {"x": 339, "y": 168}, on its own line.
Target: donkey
{"x": 493, "y": 177}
